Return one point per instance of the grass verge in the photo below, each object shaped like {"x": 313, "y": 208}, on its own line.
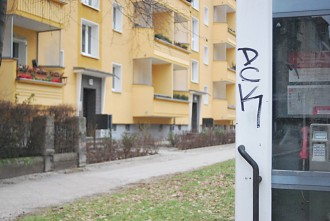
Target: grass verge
{"x": 204, "y": 194}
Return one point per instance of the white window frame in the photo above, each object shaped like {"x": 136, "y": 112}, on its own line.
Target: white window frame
{"x": 22, "y": 51}
{"x": 194, "y": 71}
{"x": 195, "y": 4}
{"x": 117, "y": 17}
{"x": 195, "y": 34}
{"x": 206, "y": 95}
{"x": 90, "y": 39}
{"x": 95, "y": 4}
{"x": 117, "y": 78}
{"x": 206, "y": 55}
{"x": 206, "y": 16}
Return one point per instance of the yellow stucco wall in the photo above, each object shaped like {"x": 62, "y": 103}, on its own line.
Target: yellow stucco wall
{"x": 162, "y": 79}
{"x": 71, "y": 47}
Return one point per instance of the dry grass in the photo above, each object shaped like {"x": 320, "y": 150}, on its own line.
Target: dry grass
{"x": 205, "y": 194}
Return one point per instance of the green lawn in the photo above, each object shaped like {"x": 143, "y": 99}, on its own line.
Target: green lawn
{"x": 205, "y": 194}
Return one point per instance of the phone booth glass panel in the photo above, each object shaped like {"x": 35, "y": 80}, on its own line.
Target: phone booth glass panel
{"x": 301, "y": 110}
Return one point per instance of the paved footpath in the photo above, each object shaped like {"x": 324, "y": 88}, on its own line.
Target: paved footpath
{"x": 27, "y": 193}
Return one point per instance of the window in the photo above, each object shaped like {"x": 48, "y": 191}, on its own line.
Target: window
{"x": 195, "y": 34}
{"x": 117, "y": 17}
{"x": 89, "y": 38}
{"x": 117, "y": 78}
{"x": 92, "y": 3}
{"x": 195, "y": 4}
{"x": 206, "y": 55}
{"x": 206, "y": 16}
{"x": 206, "y": 95}
{"x": 194, "y": 71}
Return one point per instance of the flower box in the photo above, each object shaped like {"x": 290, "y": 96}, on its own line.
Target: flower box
{"x": 38, "y": 74}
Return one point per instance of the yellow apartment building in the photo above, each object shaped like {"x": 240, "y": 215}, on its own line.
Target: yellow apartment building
{"x": 159, "y": 65}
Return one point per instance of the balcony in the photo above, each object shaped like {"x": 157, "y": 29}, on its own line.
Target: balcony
{"x": 37, "y": 15}
{"x": 147, "y": 44}
{"x": 16, "y": 87}
{"x": 147, "y": 104}
{"x": 222, "y": 111}
{"x": 33, "y": 32}
{"x": 223, "y": 72}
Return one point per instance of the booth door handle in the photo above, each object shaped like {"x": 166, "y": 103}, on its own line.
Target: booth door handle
{"x": 256, "y": 180}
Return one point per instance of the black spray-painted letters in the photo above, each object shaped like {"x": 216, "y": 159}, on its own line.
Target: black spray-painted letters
{"x": 244, "y": 77}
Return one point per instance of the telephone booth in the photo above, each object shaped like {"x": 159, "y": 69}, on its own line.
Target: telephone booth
{"x": 283, "y": 110}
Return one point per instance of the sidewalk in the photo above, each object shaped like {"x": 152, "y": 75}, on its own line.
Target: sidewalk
{"x": 27, "y": 193}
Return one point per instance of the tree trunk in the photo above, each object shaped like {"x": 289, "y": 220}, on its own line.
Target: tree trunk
{"x": 3, "y": 10}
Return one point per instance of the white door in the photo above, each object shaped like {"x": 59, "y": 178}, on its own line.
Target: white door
{"x": 285, "y": 128}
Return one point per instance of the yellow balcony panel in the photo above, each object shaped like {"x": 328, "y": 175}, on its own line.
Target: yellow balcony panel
{"x": 146, "y": 46}
{"x": 171, "y": 108}
{"x": 8, "y": 76}
{"x": 221, "y": 72}
{"x": 221, "y": 110}
{"x": 146, "y": 105}
{"x": 224, "y": 34}
{"x": 39, "y": 93}
{"x": 171, "y": 53}
{"x": 37, "y": 15}
{"x": 230, "y": 3}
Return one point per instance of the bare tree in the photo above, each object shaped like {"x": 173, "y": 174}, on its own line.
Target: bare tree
{"x": 3, "y": 10}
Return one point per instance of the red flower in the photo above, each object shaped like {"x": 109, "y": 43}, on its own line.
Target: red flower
{"x": 56, "y": 80}
{"x": 25, "y": 76}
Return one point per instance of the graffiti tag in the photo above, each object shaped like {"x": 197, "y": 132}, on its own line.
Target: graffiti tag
{"x": 250, "y": 57}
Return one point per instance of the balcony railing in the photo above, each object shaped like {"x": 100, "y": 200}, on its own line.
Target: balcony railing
{"x": 222, "y": 72}
{"x": 224, "y": 34}
{"x": 45, "y": 11}
{"x": 160, "y": 46}
{"x": 19, "y": 90}
{"x": 222, "y": 110}
{"x": 156, "y": 105}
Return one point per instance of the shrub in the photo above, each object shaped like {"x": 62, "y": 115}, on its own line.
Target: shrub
{"x": 128, "y": 142}
{"x": 172, "y": 138}
{"x": 208, "y": 137}
{"x": 131, "y": 145}
{"x": 16, "y": 123}
{"x": 102, "y": 149}
{"x": 15, "y": 127}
